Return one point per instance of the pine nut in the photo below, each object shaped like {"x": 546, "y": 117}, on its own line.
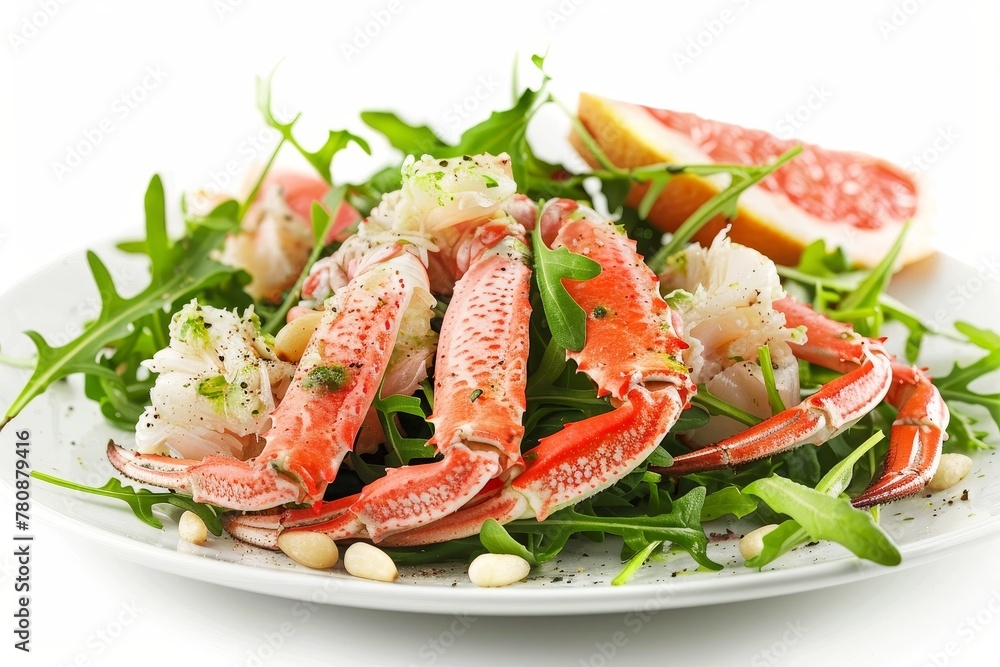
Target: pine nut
{"x": 291, "y": 340}
{"x": 752, "y": 543}
{"x": 192, "y": 529}
{"x": 314, "y": 550}
{"x": 363, "y": 560}
{"x": 495, "y": 570}
{"x": 951, "y": 470}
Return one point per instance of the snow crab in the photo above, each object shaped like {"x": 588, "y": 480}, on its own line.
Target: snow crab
{"x": 458, "y": 227}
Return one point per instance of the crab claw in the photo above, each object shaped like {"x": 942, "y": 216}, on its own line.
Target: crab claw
{"x": 636, "y": 364}
{"x": 481, "y": 371}
{"x": 262, "y": 529}
{"x": 218, "y": 480}
{"x": 914, "y": 440}
{"x": 871, "y": 375}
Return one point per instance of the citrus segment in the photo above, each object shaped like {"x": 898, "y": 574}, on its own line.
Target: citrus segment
{"x": 850, "y": 200}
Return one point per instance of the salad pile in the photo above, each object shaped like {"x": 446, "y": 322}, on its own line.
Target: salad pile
{"x": 806, "y": 491}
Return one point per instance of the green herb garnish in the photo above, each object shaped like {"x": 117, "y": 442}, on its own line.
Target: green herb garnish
{"x": 142, "y": 501}
{"x": 566, "y": 319}
{"x": 326, "y": 378}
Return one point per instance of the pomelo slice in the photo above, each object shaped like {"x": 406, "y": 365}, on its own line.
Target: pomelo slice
{"x": 850, "y": 200}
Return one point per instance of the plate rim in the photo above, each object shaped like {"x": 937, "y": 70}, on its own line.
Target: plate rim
{"x": 691, "y": 591}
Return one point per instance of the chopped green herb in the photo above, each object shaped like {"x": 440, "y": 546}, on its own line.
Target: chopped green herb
{"x": 326, "y": 378}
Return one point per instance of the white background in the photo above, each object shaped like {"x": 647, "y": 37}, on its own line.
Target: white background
{"x": 893, "y": 76}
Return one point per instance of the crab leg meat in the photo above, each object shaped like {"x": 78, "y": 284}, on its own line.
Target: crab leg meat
{"x": 916, "y": 436}
{"x": 504, "y": 506}
{"x": 815, "y": 420}
{"x": 480, "y": 376}
{"x": 315, "y": 424}
{"x": 590, "y": 455}
{"x": 637, "y": 365}
{"x": 261, "y": 529}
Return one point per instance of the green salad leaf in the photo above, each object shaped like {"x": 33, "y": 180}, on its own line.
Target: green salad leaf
{"x": 727, "y": 500}
{"x": 142, "y": 501}
{"x": 955, "y": 387}
{"x": 403, "y": 449}
{"x": 178, "y": 271}
{"x": 566, "y": 318}
{"x": 322, "y": 158}
{"x": 822, "y": 513}
{"x": 543, "y": 540}
{"x": 827, "y": 518}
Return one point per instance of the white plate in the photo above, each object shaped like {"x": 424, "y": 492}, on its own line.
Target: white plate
{"x": 68, "y": 438}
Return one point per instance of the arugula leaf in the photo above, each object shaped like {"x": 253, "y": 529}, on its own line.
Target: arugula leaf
{"x": 123, "y": 395}
{"x": 367, "y": 472}
{"x": 681, "y": 526}
{"x": 822, "y": 513}
{"x": 802, "y": 465}
{"x": 634, "y": 563}
{"x": 866, "y": 296}
{"x": 403, "y": 449}
{"x": 142, "y": 500}
{"x": 790, "y": 533}
{"x": 827, "y": 518}
{"x": 728, "y": 500}
{"x": 817, "y": 261}
{"x": 322, "y": 158}
{"x": 178, "y": 270}
{"x": 767, "y": 370}
{"x": 955, "y": 387}
{"x": 785, "y": 537}
{"x": 724, "y": 203}
{"x": 567, "y": 320}
{"x": 556, "y": 393}
{"x": 498, "y": 541}
{"x": 322, "y": 222}
{"x": 413, "y": 140}
{"x": 506, "y": 131}
{"x": 867, "y": 293}
{"x": 838, "y": 478}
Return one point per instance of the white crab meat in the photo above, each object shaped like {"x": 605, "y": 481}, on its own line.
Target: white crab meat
{"x": 218, "y": 381}
{"x": 430, "y": 211}
{"x": 273, "y": 245}
{"x": 724, "y": 295}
